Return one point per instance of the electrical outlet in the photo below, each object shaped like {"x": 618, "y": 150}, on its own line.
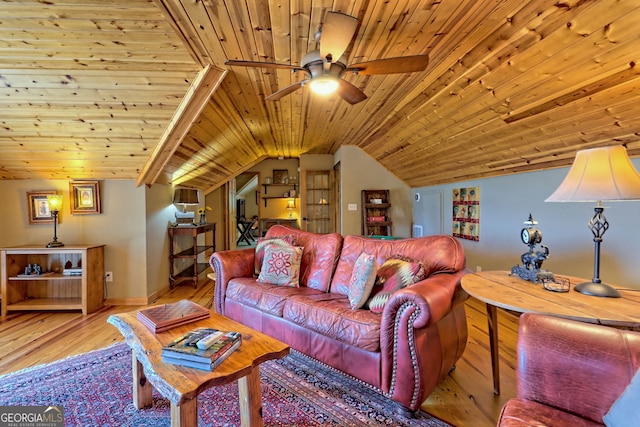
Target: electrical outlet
{"x": 478, "y": 268}
{"x": 108, "y": 276}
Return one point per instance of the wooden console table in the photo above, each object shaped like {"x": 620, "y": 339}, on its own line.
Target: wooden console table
{"x": 498, "y": 289}
{"x": 192, "y": 272}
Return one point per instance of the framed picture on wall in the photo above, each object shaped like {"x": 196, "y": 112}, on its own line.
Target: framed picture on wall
{"x": 38, "y": 207}
{"x": 280, "y": 176}
{"x": 85, "y": 197}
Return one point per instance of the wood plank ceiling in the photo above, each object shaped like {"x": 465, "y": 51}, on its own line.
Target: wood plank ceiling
{"x": 114, "y": 89}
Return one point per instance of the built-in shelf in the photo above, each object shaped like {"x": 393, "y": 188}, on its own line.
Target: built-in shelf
{"x": 53, "y": 290}
{"x": 376, "y": 220}
{"x": 283, "y": 188}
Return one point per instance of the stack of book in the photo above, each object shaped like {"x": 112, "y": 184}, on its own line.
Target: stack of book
{"x": 202, "y": 348}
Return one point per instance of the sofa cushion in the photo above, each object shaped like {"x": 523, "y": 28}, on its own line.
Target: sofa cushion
{"x": 287, "y": 240}
{"x": 263, "y": 296}
{"x": 362, "y": 279}
{"x": 330, "y": 315}
{"x": 396, "y": 273}
{"x": 319, "y": 257}
{"x": 523, "y": 413}
{"x": 281, "y": 265}
{"x": 438, "y": 254}
{"x": 624, "y": 411}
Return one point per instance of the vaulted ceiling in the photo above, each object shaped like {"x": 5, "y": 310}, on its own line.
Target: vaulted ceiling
{"x": 139, "y": 89}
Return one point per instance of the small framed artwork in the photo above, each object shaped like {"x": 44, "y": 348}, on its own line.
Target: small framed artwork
{"x": 85, "y": 197}
{"x": 39, "y": 212}
{"x": 280, "y": 176}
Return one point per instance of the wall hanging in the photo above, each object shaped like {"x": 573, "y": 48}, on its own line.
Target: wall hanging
{"x": 466, "y": 213}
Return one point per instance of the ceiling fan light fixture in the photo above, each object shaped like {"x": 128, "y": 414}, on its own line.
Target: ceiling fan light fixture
{"x": 324, "y": 85}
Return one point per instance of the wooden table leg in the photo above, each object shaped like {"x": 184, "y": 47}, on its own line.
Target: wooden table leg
{"x": 185, "y": 415}
{"x": 142, "y": 388}
{"x": 250, "y": 399}
{"x": 492, "y": 320}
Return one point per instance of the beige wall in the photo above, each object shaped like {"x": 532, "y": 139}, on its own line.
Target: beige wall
{"x": 122, "y": 227}
{"x": 160, "y": 212}
{"x": 358, "y": 172}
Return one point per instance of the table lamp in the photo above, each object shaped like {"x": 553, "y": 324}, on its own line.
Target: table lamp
{"x": 291, "y": 205}
{"x": 599, "y": 174}
{"x": 184, "y": 197}
{"x": 55, "y": 204}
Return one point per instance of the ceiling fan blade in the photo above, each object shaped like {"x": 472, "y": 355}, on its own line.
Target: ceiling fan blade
{"x": 401, "y": 64}
{"x": 261, "y": 64}
{"x": 350, "y": 93}
{"x": 285, "y": 91}
{"x": 337, "y": 31}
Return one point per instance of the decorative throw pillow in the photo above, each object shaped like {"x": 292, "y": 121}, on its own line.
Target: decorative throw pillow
{"x": 288, "y": 240}
{"x": 394, "y": 274}
{"x": 281, "y": 265}
{"x": 624, "y": 411}
{"x": 362, "y": 279}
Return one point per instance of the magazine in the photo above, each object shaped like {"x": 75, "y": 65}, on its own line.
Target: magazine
{"x": 205, "y": 366}
{"x": 216, "y": 344}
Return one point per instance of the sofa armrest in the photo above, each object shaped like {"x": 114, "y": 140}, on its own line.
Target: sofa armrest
{"x": 434, "y": 297}
{"x": 411, "y": 337}
{"x": 578, "y": 367}
{"x": 228, "y": 265}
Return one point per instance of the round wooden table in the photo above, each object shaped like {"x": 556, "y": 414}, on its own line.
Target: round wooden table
{"x": 498, "y": 289}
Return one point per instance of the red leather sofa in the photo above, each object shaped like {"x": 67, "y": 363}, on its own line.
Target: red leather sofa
{"x": 569, "y": 373}
{"x": 403, "y": 352}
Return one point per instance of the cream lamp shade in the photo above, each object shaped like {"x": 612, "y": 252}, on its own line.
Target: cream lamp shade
{"x": 598, "y": 174}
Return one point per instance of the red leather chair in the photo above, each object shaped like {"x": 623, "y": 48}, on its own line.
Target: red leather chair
{"x": 569, "y": 373}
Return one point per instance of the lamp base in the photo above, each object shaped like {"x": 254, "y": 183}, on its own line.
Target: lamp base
{"x": 55, "y": 244}
{"x": 597, "y": 290}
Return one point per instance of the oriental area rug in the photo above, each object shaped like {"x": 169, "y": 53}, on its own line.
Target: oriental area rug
{"x": 95, "y": 389}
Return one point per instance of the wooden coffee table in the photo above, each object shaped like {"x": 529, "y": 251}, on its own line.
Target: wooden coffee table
{"x": 498, "y": 289}
{"x": 181, "y": 385}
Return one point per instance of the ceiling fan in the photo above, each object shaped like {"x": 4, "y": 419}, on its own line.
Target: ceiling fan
{"x": 324, "y": 67}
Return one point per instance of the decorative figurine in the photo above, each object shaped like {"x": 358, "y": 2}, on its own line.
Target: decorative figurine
{"x": 532, "y": 260}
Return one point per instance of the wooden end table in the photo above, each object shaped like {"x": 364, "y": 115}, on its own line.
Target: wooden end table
{"x": 182, "y": 385}
{"x": 498, "y": 289}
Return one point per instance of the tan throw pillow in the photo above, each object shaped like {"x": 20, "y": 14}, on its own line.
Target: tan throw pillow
{"x": 362, "y": 279}
{"x": 288, "y": 240}
{"x": 281, "y": 265}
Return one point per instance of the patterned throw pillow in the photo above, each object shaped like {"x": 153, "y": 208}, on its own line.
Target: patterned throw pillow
{"x": 362, "y": 279}
{"x": 288, "y": 240}
{"x": 396, "y": 273}
{"x": 281, "y": 265}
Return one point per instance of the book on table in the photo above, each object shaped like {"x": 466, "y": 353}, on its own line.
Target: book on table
{"x": 166, "y": 316}
{"x": 201, "y": 348}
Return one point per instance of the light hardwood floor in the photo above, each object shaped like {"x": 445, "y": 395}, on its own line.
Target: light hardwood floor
{"x": 464, "y": 398}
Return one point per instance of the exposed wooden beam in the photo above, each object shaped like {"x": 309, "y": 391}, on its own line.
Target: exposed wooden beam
{"x": 196, "y": 98}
